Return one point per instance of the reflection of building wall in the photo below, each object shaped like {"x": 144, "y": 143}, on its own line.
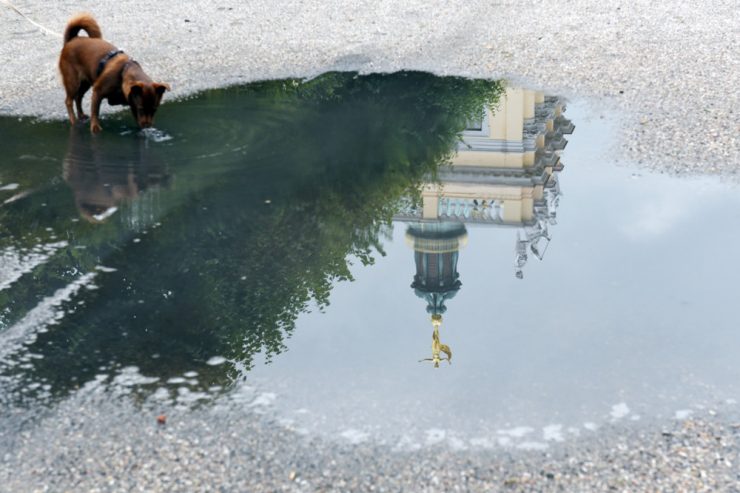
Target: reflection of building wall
{"x": 504, "y": 172}
{"x": 522, "y": 131}
{"x": 504, "y": 166}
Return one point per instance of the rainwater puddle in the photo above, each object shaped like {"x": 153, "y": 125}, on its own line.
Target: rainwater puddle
{"x": 415, "y": 260}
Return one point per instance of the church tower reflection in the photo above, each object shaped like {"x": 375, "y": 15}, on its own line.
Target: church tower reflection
{"x": 436, "y": 251}
{"x": 504, "y": 175}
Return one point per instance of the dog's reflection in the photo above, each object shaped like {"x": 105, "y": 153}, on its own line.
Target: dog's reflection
{"x": 106, "y": 173}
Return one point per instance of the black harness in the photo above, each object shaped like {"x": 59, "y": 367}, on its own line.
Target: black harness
{"x": 103, "y": 61}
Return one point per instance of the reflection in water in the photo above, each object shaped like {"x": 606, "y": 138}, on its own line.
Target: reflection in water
{"x": 269, "y": 211}
{"x": 504, "y": 174}
{"x": 102, "y": 176}
{"x": 436, "y": 250}
{"x": 283, "y": 186}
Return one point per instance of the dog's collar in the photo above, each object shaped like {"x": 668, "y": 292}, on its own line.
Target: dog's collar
{"x": 103, "y": 61}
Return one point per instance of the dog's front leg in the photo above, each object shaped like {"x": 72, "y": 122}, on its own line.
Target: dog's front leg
{"x": 95, "y": 110}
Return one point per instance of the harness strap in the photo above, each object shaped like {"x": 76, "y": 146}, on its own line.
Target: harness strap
{"x": 103, "y": 61}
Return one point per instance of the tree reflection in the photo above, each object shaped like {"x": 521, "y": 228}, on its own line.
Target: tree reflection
{"x": 280, "y": 186}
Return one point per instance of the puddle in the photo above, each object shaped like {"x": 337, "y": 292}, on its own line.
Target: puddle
{"x": 417, "y": 260}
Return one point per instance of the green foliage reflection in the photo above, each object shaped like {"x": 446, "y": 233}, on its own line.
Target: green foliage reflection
{"x": 270, "y": 191}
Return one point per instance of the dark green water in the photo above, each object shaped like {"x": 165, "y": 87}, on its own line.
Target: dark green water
{"x": 221, "y": 231}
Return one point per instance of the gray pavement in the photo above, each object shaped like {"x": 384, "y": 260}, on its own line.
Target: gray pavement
{"x": 99, "y": 445}
{"x": 668, "y": 71}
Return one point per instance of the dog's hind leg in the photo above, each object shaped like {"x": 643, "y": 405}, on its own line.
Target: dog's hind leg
{"x": 84, "y": 86}
{"x": 71, "y": 86}
{"x": 70, "y": 110}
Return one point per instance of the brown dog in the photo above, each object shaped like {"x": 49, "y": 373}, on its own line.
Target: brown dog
{"x": 93, "y": 62}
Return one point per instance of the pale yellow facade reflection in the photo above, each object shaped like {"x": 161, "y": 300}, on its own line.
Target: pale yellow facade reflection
{"x": 504, "y": 162}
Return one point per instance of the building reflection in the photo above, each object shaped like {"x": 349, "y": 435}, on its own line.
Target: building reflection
{"x": 436, "y": 250}
{"x": 504, "y": 175}
{"x": 103, "y": 175}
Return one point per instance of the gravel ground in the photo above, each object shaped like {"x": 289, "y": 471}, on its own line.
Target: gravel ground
{"x": 102, "y": 445}
{"x": 669, "y": 69}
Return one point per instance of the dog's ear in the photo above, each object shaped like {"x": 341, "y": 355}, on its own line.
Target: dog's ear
{"x": 160, "y": 88}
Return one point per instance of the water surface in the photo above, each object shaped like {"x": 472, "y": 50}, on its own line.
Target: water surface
{"x": 269, "y": 244}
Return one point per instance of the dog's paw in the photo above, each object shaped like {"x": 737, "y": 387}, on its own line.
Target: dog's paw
{"x": 95, "y": 128}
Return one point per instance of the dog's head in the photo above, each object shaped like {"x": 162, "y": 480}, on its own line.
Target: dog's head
{"x": 144, "y": 99}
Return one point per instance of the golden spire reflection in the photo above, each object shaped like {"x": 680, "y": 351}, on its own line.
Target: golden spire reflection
{"x": 437, "y": 345}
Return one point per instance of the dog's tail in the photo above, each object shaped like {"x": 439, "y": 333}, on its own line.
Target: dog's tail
{"x": 80, "y": 22}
